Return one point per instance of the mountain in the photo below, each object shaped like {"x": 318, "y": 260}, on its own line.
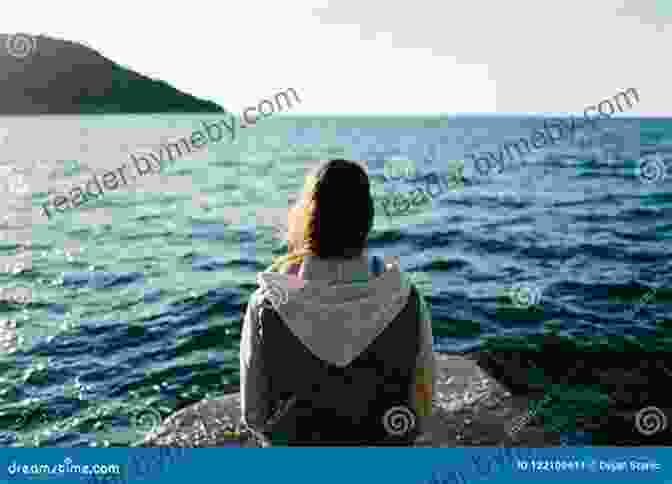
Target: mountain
{"x": 42, "y": 75}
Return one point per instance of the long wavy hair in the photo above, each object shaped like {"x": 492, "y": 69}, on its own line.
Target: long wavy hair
{"x": 333, "y": 216}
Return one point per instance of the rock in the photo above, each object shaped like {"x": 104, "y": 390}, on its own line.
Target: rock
{"x": 607, "y": 393}
{"x": 601, "y": 398}
{"x": 471, "y": 409}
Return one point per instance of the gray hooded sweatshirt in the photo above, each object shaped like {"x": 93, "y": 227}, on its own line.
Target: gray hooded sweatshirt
{"x": 336, "y": 308}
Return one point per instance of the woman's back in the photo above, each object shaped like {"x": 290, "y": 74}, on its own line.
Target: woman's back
{"x": 341, "y": 397}
{"x": 333, "y": 353}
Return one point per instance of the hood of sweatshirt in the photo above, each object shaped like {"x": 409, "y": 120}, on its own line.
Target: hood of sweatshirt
{"x": 334, "y": 318}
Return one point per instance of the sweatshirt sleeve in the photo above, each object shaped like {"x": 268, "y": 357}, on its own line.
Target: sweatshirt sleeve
{"x": 253, "y": 380}
{"x": 424, "y": 384}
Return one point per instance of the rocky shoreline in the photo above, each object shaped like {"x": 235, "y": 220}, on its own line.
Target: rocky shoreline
{"x": 472, "y": 408}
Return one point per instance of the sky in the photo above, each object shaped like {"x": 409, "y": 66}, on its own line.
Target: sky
{"x": 352, "y": 57}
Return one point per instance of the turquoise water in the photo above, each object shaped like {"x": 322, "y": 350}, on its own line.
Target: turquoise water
{"x": 137, "y": 298}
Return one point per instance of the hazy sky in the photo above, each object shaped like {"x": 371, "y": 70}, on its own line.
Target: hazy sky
{"x": 424, "y": 56}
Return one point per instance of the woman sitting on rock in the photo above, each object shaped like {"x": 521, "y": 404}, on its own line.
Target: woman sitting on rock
{"x": 336, "y": 347}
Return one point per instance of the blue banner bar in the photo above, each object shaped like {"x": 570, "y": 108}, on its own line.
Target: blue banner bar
{"x": 337, "y": 465}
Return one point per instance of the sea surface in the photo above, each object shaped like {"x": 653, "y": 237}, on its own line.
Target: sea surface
{"x": 132, "y": 304}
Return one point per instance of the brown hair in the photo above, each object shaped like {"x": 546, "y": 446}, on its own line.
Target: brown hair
{"x": 334, "y": 215}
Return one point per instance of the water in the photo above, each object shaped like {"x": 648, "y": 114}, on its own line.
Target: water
{"x": 137, "y": 298}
